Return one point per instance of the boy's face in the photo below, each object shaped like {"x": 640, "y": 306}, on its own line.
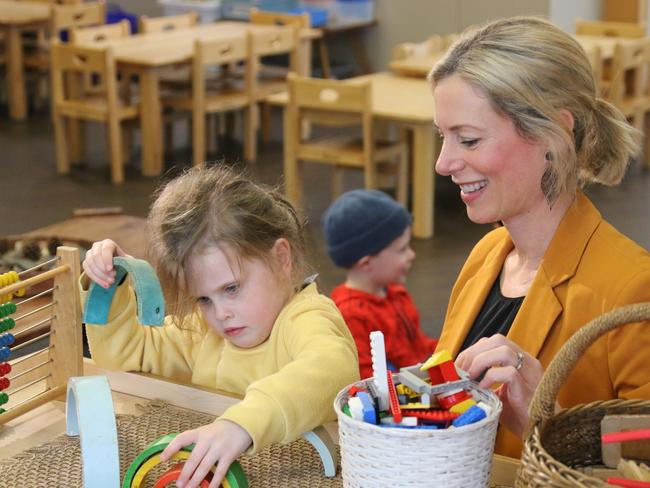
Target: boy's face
{"x": 239, "y": 299}
{"x": 392, "y": 264}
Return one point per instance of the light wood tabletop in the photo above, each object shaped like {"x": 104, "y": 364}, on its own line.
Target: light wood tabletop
{"x": 14, "y": 18}
{"x": 406, "y": 101}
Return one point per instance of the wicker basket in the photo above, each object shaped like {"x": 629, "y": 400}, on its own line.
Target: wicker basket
{"x": 557, "y": 444}
{"x": 375, "y": 457}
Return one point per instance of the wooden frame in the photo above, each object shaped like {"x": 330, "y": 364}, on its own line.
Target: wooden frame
{"x": 63, "y": 357}
{"x": 151, "y": 25}
{"x": 70, "y": 60}
{"x": 338, "y": 104}
{"x": 610, "y": 29}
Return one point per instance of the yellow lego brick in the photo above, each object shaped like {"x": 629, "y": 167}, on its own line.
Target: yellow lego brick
{"x": 436, "y": 359}
{"x": 462, "y": 406}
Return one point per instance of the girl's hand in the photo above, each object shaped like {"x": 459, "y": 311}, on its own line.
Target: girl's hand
{"x": 98, "y": 263}
{"x": 503, "y": 362}
{"x": 221, "y": 441}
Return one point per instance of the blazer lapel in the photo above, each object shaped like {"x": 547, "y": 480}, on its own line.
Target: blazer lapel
{"x": 473, "y": 295}
{"x": 541, "y": 308}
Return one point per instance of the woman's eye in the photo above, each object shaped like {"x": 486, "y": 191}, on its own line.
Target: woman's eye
{"x": 203, "y": 300}
{"x": 469, "y": 142}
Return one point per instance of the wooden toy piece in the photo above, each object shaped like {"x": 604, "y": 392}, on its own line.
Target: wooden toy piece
{"x": 149, "y": 296}
{"x": 90, "y": 415}
{"x": 43, "y": 375}
{"x": 324, "y": 445}
{"x": 612, "y": 452}
{"x": 173, "y": 473}
{"x": 379, "y": 368}
{"x": 150, "y": 457}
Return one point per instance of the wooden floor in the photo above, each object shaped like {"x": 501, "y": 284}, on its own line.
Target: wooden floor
{"x": 33, "y": 196}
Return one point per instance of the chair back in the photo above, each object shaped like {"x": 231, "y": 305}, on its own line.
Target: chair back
{"x": 301, "y": 21}
{"x": 152, "y": 25}
{"x": 610, "y": 29}
{"x": 73, "y": 15}
{"x": 100, "y": 33}
{"x": 630, "y": 72}
{"x": 69, "y": 60}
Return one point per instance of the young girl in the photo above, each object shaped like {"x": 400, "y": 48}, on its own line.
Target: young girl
{"x": 230, "y": 256}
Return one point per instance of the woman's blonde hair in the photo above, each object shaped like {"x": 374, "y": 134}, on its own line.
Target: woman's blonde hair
{"x": 217, "y": 206}
{"x": 531, "y": 71}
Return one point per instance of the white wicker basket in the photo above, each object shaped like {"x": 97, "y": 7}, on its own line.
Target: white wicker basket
{"x": 375, "y": 457}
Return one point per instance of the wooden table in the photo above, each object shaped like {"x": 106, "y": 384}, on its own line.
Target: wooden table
{"x": 147, "y": 54}
{"x": 14, "y": 18}
{"x": 126, "y": 230}
{"x": 46, "y": 422}
{"x": 409, "y": 103}
{"x": 416, "y": 65}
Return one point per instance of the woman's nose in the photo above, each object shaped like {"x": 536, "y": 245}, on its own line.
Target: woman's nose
{"x": 448, "y": 161}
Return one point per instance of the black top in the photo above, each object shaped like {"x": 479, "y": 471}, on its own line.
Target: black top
{"x": 496, "y": 316}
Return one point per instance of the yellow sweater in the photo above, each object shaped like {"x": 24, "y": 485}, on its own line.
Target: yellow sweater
{"x": 289, "y": 382}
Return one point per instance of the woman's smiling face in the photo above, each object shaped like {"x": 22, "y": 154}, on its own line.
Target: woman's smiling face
{"x": 499, "y": 172}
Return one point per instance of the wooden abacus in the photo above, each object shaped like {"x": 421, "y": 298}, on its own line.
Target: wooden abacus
{"x": 40, "y": 376}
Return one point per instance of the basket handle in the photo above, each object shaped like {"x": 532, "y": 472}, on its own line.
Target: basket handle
{"x": 542, "y": 406}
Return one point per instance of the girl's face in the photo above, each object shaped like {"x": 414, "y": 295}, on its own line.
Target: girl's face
{"x": 240, "y": 299}
{"x": 498, "y": 171}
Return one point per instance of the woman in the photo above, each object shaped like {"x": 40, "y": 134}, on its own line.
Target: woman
{"x": 523, "y": 132}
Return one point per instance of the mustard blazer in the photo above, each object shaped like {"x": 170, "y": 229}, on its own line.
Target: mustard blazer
{"x": 589, "y": 268}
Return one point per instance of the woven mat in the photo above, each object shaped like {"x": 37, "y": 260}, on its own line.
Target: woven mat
{"x": 58, "y": 463}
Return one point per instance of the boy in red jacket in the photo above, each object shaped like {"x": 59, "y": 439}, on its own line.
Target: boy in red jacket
{"x": 369, "y": 234}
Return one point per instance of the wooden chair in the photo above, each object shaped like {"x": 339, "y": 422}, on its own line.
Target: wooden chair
{"x": 71, "y": 60}
{"x": 630, "y": 86}
{"x": 340, "y": 104}
{"x": 151, "y": 25}
{"x": 263, "y": 43}
{"x": 610, "y": 29}
{"x": 211, "y": 98}
{"x": 87, "y": 35}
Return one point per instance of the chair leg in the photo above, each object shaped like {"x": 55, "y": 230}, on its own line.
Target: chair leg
{"x": 62, "y": 161}
{"x": 401, "y": 178}
{"x": 115, "y": 150}
{"x": 77, "y": 138}
{"x": 250, "y": 133}
{"x": 266, "y": 123}
{"x": 198, "y": 138}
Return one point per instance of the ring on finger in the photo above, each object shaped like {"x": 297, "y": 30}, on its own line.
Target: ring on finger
{"x": 520, "y": 360}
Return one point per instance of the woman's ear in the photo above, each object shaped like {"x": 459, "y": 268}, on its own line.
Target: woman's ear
{"x": 281, "y": 252}
{"x": 566, "y": 118}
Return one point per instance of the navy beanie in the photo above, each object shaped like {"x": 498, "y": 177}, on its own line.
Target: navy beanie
{"x": 361, "y": 223}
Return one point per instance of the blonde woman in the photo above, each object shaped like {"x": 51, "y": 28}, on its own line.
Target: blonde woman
{"x": 523, "y": 133}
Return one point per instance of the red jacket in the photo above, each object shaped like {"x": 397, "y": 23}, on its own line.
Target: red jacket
{"x": 395, "y": 315}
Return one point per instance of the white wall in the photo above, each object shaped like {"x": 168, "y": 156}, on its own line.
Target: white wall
{"x": 564, "y": 13}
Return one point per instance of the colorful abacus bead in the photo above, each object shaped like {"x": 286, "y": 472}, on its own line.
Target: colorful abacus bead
{"x": 4, "y": 398}
{"x": 6, "y": 339}
{"x": 4, "y": 383}
{"x": 4, "y": 353}
{"x": 7, "y": 309}
{"x": 5, "y": 369}
{"x": 7, "y": 324}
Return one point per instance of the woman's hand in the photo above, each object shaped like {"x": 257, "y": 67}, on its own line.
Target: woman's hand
{"x": 501, "y": 361}
{"x": 222, "y": 441}
{"x": 98, "y": 263}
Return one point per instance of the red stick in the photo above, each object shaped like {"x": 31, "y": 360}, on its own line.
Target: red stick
{"x": 627, "y": 435}
{"x": 628, "y": 483}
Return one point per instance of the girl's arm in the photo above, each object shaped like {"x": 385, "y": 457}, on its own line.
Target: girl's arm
{"x": 299, "y": 397}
